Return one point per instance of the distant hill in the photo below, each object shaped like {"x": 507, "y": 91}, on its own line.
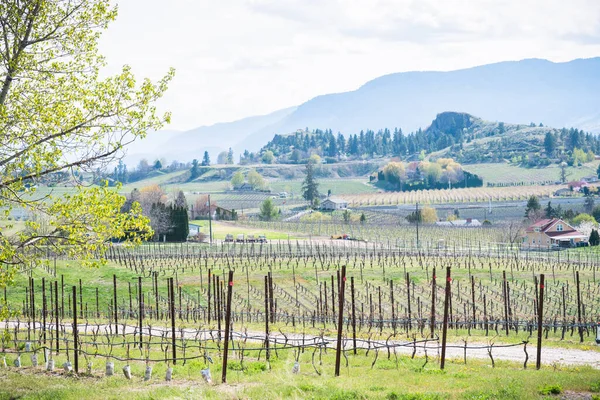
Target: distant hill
{"x": 555, "y": 94}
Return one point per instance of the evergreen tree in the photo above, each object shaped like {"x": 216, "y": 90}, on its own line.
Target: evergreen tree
{"x": 363, "y": 218}
{"x": 157, "y": 165}
{"x": 550, "y": 144}
{"x": 598, "y": 171}
{"x": 549, "y": 210}
{"x": 230, "y": 156}
{"x": 588, "y": 205}
{"x": 533, "y": 208}
{"x": 594, "y": 238}
{"x": 194, "y": 172}
{"x": 310, "y": 187}
{"x": 205, "y": 159}
{"x": 268, "y": 212}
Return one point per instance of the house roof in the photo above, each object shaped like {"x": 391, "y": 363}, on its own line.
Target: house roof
{"x": 460, "y": 222}
{"x": 544, "y": 226}
{"x": 335, "y": 200}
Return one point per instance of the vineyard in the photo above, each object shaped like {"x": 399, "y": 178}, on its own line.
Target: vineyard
{"x": 460, "y": 195}
{"x": 306, "y": 308}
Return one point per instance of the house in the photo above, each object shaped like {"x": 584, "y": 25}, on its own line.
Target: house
{"x": 194, "y": 229}
{"x": 577, "y": 186}
{"x": 225, "y": 214}
{"x": 463, "y": 223}
{"x": 332, "y": 204}
{"x": 590, "y": 179}
{"x": 553, "y": 232}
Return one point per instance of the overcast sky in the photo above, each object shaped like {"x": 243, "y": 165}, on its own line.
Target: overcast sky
{"x": 238, "y": 58}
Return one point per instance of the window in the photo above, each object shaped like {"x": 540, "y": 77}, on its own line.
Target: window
{"x": 559, "y": 227}
{"x": 533, "y": 241}
{"x": 537, "y": 229}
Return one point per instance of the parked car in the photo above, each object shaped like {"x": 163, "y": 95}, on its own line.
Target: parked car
{"x": 262, "y": 239}
{"x": 250, "y": 239}
{"x": 240, "y": 238}
{"x": 229, "y": 237}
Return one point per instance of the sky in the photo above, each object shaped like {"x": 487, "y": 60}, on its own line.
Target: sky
{"x": 239, "y": 58}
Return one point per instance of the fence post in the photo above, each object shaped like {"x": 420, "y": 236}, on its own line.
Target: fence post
{"x": 433, "y": 292}
{"x": 338, "y": 352}
{"x": 227, "y": 325}
{"x": 75, "y": 334}
{"x": 56, "y": 315}
{"x": 115, "y": 304}
{"x": 172, "y": 306}
{"x": 580, "y": 328}
{"x": 267, "y": 354}
{"x": 353, "y": 315}
{"x": 445, "y": 327}
{"x": 44, "y": 308}
{"x": 538, "y": 361}
{"x": 140, "y": 307}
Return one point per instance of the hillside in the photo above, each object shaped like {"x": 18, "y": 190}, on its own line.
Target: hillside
{"x": 556, "y": 94}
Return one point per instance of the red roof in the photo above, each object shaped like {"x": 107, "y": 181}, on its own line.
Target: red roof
{"x": 543, "y": 224}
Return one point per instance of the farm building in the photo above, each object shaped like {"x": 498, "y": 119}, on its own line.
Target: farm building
{"x": 463, "y": 223}
{"x": 553, "y": 233}
{"x": 331, "y": 204}
{"x": 194, "y": 229}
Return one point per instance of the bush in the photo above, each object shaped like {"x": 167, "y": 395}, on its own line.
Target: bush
{"x": 595, "y": 387}
{"x": 550, "y": 389}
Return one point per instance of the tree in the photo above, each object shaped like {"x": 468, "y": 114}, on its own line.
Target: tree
{"x": 598, "y": 171}
{"x": 428, "y": 215}
{"x": 394, "y": 173}
{"x": 563, "y": 172}
{"x": 268, "y": 157}
{"x": 237, "y": 179}
{"x": 255, "y": 180}
{"x": 268, "y": 211}
{"x": 363, "y": 218}
{"x": 310, "y": 187}
{"x": 150, "y": 195}
{"x": 549, "y": 144}
{"x": 230, "y": 156}
{"x": 549, "y": 210}
{"x": 195, "y": 171}
{"x": 205, "y": 159}
{"x": 346, "y": 216}
{"x": 583, "y": 217}
{"x": 594, "y": 238}
{"x": 533, "y": 209}
{"x": 222, "y": 158}
{"x": 180, "y": 200}
{"x": 588, "y": 205}
{"x": 57, "y": 114}
{"x": 157, "y": 165}
{"x": 596, "y": 213}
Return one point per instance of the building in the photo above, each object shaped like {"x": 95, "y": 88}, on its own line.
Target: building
{"x": 463, "y": 223}
{"x": 332, "y": 204}
{"x": 194, "y": 229}
{"x": 224, "y": 214}
{"x": 549, "y": 233}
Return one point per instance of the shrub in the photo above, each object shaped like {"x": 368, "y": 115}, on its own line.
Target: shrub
{"x": 550, "y": 389}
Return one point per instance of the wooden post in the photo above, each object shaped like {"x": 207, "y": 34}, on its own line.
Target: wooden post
{"x": 433, "y": 292}
{"x": 353, "y": 315}
{"x": 56, "y": 315}
{"x": 44, "y": 309}
{"x": 579, "y": 327}
{"x": 227, "y": 325}
{"x": 209, "y": 299}
{"x": 172, "y": 306}
{"x": 338, "y": 352}
{"x": 267, "y": 354}
{"x": 115, "y": 312}
{"x": 538, "y": 361}
{"x": 75, "y": 333}
{"x": 140, "y": 308}
{"x": 445, "y": 327}
{"x": 504, "y": 296}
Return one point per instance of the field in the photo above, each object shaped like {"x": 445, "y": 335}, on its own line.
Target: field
{"x": 393, "y": 305}
{"x": 508, "y": 173}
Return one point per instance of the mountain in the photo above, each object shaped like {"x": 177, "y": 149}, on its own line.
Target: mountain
{"x": 533, "y": 90}
{"x": 185, "y": 146}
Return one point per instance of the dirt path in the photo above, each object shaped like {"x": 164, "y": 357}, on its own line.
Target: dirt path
{"x": 515, "y": 352}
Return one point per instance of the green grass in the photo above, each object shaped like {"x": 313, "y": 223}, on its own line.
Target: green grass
{"x": 508, "y": 173}
{"x": 337, "y": 186}
{"x": 394, "y": 378}
{"x": 221, "y": 228}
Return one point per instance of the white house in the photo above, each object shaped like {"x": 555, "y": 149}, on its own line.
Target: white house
{"x": 332, "y": 204}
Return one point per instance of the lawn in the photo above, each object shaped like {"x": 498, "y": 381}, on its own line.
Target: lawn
{"x": 222, "y": 228}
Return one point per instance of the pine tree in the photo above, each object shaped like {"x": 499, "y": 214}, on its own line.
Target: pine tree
{"x": 594, "y": 238}
{"x": 268, "y": 212}
{"x": 194, "y": 172}
{"x": 533, "y": 207}
{"x": 310, "y": 187}
{"x": 205, "y": 159}
{"x": 230, "y": 156}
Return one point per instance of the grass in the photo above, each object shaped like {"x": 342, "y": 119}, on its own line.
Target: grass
{"x": 337, "y": 186}
{"x": 394, "y": 378}
{"x": 221, "y": 228}
{"x": 509, "y": 173}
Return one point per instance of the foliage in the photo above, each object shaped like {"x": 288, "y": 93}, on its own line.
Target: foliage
{"x": 206, "y": 159}
{"x": 427, "y": 215}
{"x": 583, "y": 217}
{"x": 195, "y": 171}
{"x": 594, "y": 238}
{"x": 222, "y": 158}
{"x": 268, "y": 157}
{"x": 310, "y": 187}
{"x": 596, "y": 213}
{"x": 550, "y": 389}
{"x": 58, "y": 115}
{"x": 346, "y": 216}
{"x": 237, "y": 179}
{"x": 533, "y": 208}
{"x": 256, "y": 180}
{"x": 268, "y": 211}
{"x": 363, "y": 218}
{"x": 315, "y": 216}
